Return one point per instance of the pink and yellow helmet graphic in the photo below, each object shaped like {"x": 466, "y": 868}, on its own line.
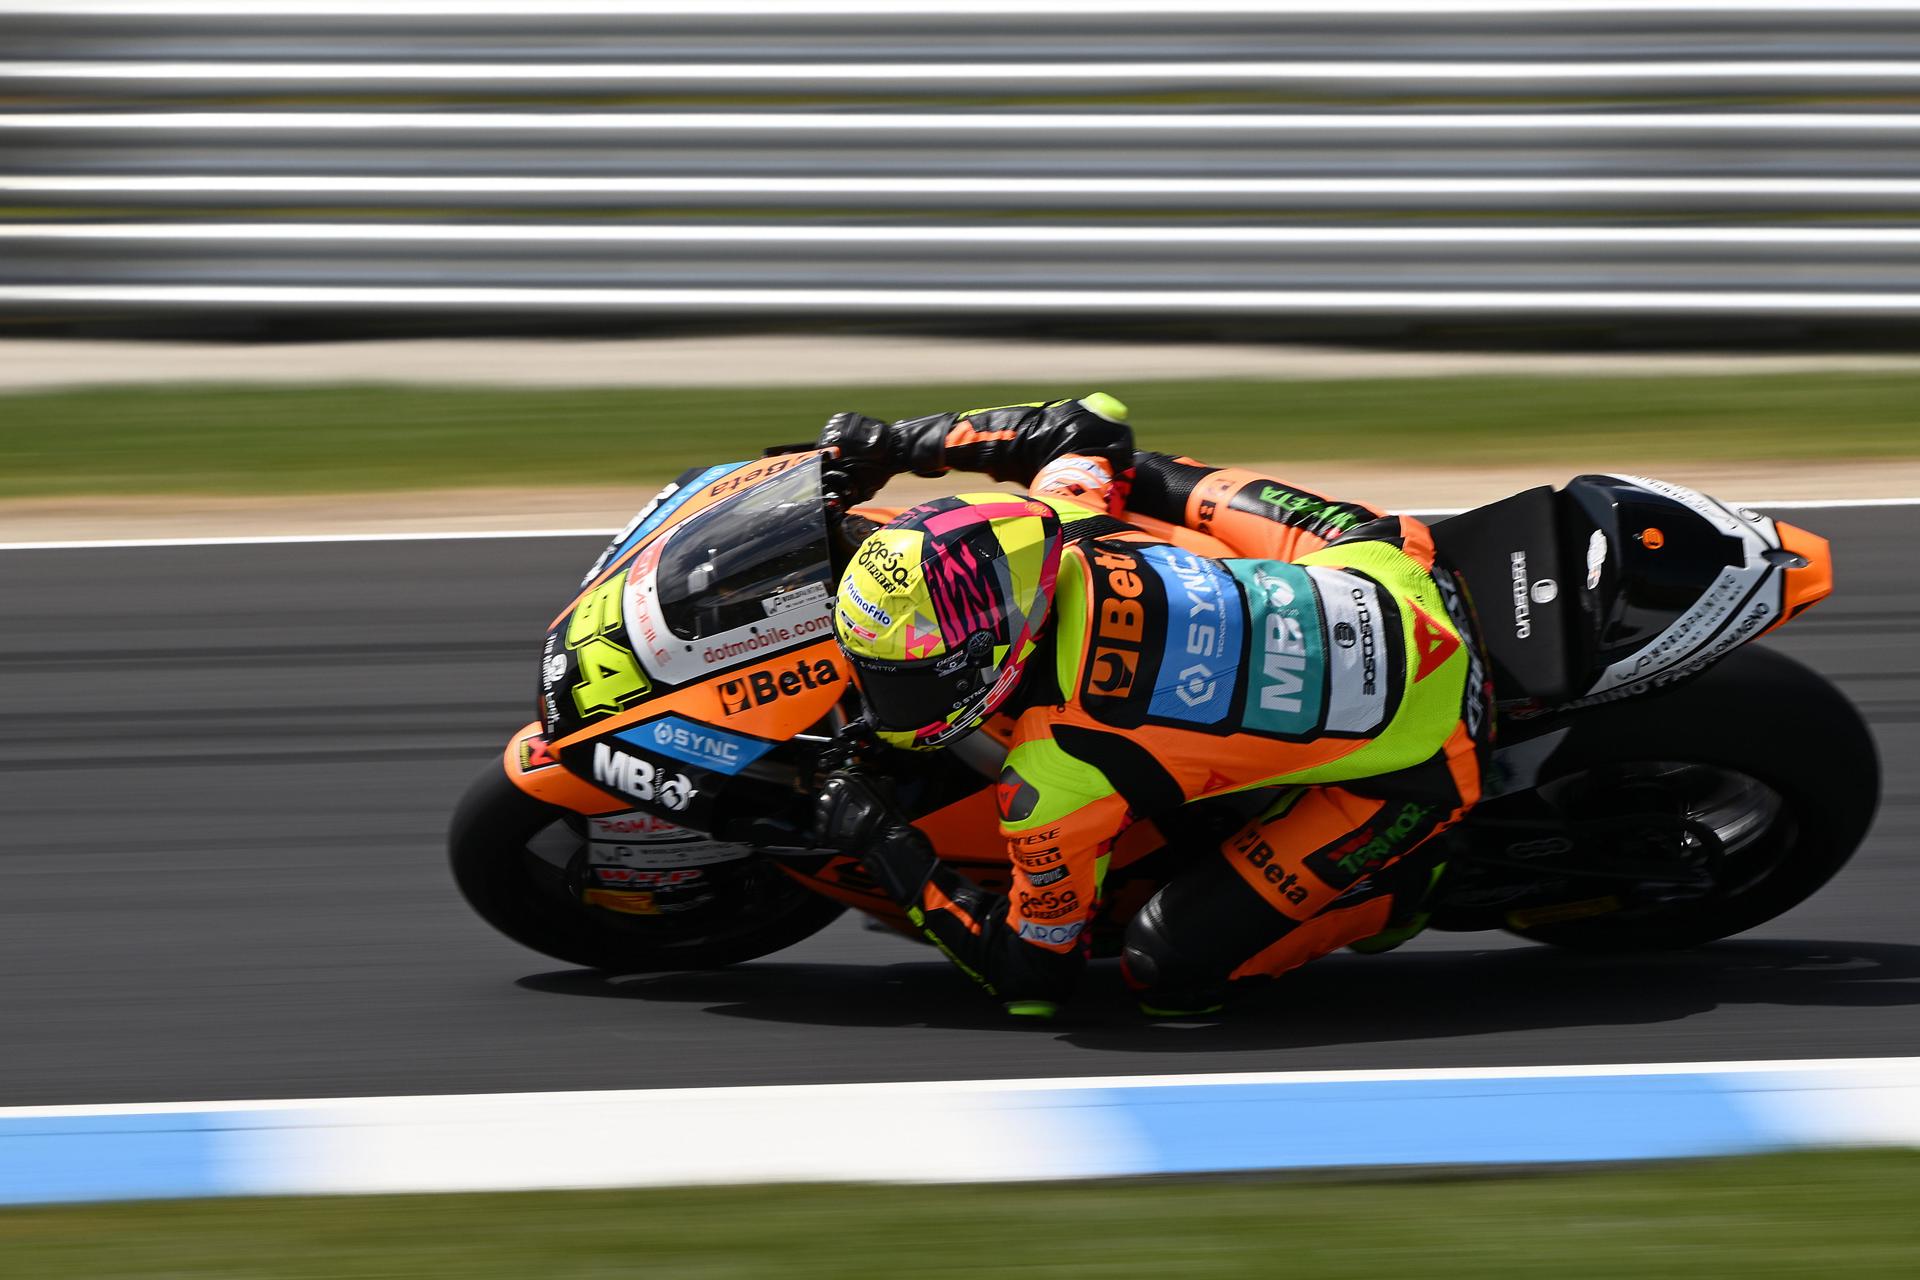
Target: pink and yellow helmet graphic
{"x": 939, "y": 612}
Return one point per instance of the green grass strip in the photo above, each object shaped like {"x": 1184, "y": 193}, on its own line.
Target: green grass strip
{"x": 244, "y": 440}
{"x": 1841, "y": 1214}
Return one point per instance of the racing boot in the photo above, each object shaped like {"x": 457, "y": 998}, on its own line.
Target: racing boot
{"x": 1413, "y": 898}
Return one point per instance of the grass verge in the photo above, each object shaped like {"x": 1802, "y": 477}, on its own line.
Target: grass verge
{"x": 1845, "y": 1214}
{"x": 247, "y": 440}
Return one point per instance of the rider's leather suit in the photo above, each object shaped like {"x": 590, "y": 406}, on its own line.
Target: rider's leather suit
{"x": 1330, "y": 660}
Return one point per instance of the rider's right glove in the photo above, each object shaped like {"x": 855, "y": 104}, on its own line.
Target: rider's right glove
{"x": 869, "y": 453}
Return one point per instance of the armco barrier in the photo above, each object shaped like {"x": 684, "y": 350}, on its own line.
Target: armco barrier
{"x": 1027, "y": 157}
{"x": 993, "y": 1130}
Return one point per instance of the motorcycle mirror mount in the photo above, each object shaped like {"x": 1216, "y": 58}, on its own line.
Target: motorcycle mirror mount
{"x": 849, "y": 743}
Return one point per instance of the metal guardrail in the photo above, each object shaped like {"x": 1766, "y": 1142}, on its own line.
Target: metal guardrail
{"x": 978, "y": 156}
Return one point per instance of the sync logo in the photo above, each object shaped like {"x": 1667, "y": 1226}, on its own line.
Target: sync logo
{"x": 697, "y": 744}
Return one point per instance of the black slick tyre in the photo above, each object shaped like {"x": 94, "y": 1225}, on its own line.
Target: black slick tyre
{"x": 1760, "y": 716}
{"x": 758, "y": 911}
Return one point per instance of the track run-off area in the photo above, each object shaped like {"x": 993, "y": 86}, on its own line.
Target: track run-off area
{"x": 229, "y": 768}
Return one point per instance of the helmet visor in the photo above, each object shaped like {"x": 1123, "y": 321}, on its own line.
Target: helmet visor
{"x": 904, "y": 696}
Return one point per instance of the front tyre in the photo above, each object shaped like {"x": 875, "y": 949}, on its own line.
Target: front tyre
{"x": 1759, "y": 749}
{"x": 516, "y": 861}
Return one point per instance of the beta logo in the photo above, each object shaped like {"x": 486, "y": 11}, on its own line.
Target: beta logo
{"x": 1113, "y": 672}
{"x": 758, "y": 688}
{"x": 1258, "y": 855}
{"x": 749, "y": 474}
{"x": 1121, "y": 626}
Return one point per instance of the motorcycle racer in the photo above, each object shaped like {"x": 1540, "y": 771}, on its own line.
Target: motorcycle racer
{"x": 1330, "y": 659}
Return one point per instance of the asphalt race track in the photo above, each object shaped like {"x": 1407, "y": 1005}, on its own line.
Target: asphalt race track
{"x": 227, "y": 771}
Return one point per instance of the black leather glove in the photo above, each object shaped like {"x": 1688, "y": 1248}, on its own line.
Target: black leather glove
{"x": 866, "y": 457}
{"x": 855, "y": 814}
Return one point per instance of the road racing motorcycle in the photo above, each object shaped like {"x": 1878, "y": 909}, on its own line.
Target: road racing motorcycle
{"x": 1657, "y": 781}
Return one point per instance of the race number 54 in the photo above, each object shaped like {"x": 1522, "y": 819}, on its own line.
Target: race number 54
{"x": 610, "y": 676}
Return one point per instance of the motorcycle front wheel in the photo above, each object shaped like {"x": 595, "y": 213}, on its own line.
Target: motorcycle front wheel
{"x": 516, "y": 861}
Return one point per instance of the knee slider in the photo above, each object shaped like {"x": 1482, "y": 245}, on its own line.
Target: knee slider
{"x": 1154, "y": 955}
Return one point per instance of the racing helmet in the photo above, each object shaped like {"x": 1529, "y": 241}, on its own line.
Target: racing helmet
{"x": 940, "y": 609}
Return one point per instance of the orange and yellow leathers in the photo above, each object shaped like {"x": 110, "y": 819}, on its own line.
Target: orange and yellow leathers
{"x": 1327, "y": 657}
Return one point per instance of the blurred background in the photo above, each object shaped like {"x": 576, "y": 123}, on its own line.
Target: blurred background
{"x": 1671, "y": 171}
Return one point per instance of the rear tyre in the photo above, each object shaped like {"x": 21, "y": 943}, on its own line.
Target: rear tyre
{"x": 1760, "y": 726}
{"x": 755, "y": 911}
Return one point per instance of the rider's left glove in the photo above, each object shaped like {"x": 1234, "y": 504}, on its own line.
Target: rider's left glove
{"x": 856, "y": 815}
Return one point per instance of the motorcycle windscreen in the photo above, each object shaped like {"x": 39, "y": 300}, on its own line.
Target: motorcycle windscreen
{"x": 759, "y": 557}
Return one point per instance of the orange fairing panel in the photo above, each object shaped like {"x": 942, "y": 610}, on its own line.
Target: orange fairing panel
{"x": 1810, "y": 584}
{"x": 533, "y": 767}
{"x": 775, "y": 699}
{"x": 968, "y": 830}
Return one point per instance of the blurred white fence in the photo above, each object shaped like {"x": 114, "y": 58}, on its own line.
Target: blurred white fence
{"x": 975, "y": 156}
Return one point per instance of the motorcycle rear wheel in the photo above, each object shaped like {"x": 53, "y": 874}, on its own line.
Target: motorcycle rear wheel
{"x": 1758, "y": 725}
{"x": 527, "y": 897}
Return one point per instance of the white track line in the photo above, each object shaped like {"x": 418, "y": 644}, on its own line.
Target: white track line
{"x": 1037, "y": 1084}
{"x": 986, "y": 301}
{"x": 1052, "y": 72}
{"x": 542, "y": 9}
{"x": 1023, "y": 185}
{"x": 101, "y": 544}
{"x": 927, "y": 121}
{"x": 680, "y": 233}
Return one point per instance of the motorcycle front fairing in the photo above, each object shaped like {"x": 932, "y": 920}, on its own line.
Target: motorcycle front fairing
{"x": 699, "y": 645}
